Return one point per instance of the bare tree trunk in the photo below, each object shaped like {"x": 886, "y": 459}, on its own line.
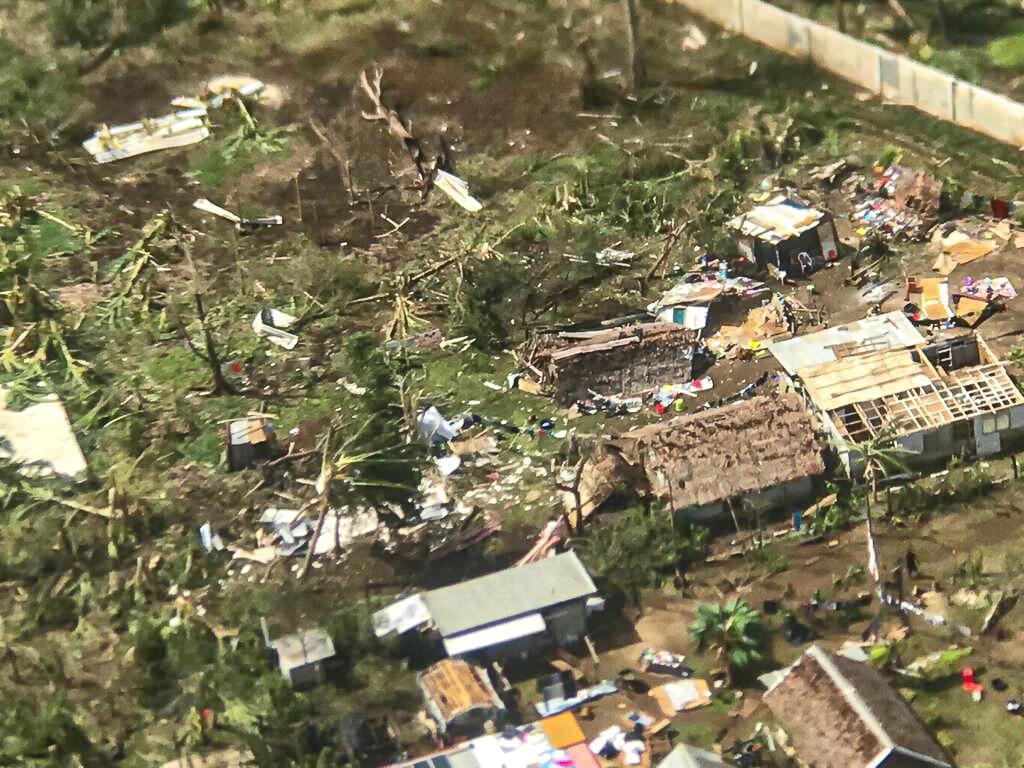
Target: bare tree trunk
{"x": 841, "y": 14}
{"x": 637, "y": 71}
{"x": 221, "y": 386}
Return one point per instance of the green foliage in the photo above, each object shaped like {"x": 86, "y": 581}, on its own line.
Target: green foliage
{"x": 969, "y": 570}
{"x": 241, "y": 146}
{"x": 732, "y": 631}
{"x": 33, "y": 89}
{"x": 98, "y": 23}
{"x": 890, "y": 154}
{"x": 390, "y": 470}
{"x": 848, "y": 508}
{"x": 493, "y": 300}
{"x": 770, "y": 559}
{"x": 42, "y": 734}
{"x": 641, "y": 549}
{"x": 1007, "y": 52}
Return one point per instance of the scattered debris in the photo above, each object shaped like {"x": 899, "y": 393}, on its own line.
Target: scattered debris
{"x": 583, "y": 695}
{"x": 178, "y": 129}
{"x": 245, "y": 226}
{"x": 433, "y": 427}
{"x": 460, "y": 698}
{"x": 271, "y": 324}
{"x": 682, "y": 696}
{"x": 457, "y": 190}
{"x": 39, "y": 439}
{"x": 248, "y": 440}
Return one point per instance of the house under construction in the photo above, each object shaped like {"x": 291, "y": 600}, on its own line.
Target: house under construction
{"x": 932, "y": 401}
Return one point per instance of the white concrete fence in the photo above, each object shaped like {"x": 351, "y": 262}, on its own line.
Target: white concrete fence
{"x": 892, "y": 76}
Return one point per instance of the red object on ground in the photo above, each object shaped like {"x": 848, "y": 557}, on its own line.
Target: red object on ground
{"x": 659, "y": 408}
{"x": 1000, "y": 208}
{"x": 969, "y": 683}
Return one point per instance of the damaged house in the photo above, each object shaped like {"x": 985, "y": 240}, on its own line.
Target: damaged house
{"x": 786, "y": 236}
{"x": 504, "y": 614}
{"x": 762, "y": 452}
{"x": 932, "y": 401}
{"x": 842, "y": 713}
{"x": 628, "y": 360}
{"x": 460, "y": 698}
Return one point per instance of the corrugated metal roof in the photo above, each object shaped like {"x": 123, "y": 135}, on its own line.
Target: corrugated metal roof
{"x": 524, "y": 626}
{"x": 873, "y": 334}
{"x": 507, "y": 594}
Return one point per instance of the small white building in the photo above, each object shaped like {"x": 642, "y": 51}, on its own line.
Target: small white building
{"x": 301, "y": 656}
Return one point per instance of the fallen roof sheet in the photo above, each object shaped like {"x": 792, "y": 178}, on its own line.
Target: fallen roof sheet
{"x": 39, "y": 439}
{"x": 889, "y": 331}
{"x": 824, "y": 695}
{"x": 408, "y": 613}
{"x": 509, "y": 593}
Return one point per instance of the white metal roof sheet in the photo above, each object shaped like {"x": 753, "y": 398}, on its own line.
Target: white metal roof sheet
{"x": 524, "y": 626}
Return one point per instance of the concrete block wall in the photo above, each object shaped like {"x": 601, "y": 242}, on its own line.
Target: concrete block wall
{"x": 892, "y": 76}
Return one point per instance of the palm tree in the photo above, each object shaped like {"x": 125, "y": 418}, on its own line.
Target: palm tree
{"x": 733, "y": 631}
{"x": 880, "y": 457}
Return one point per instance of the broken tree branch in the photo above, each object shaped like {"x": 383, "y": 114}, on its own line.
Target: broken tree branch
{"x": 396, "y": 125}
{"x": 221, "y": 386}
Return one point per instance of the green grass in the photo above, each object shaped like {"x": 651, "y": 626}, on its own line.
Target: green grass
{"x": 1007, "y": 52}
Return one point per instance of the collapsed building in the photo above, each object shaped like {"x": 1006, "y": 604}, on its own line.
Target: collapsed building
{"x": 628, "y": 360}
{"x": 786, "y": 236}
{"x": 762, "y": 453}
{"x": 460, "y": 698}
{"x": 930, "y": 401}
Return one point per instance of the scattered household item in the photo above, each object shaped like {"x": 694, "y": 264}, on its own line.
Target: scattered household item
{"x": 583, "y": 695}
{"x": 969, "y": 684}
{"x": 39, "y": 439}
{"x": 249, "y": 440}
{"x": 664, "y": 663}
